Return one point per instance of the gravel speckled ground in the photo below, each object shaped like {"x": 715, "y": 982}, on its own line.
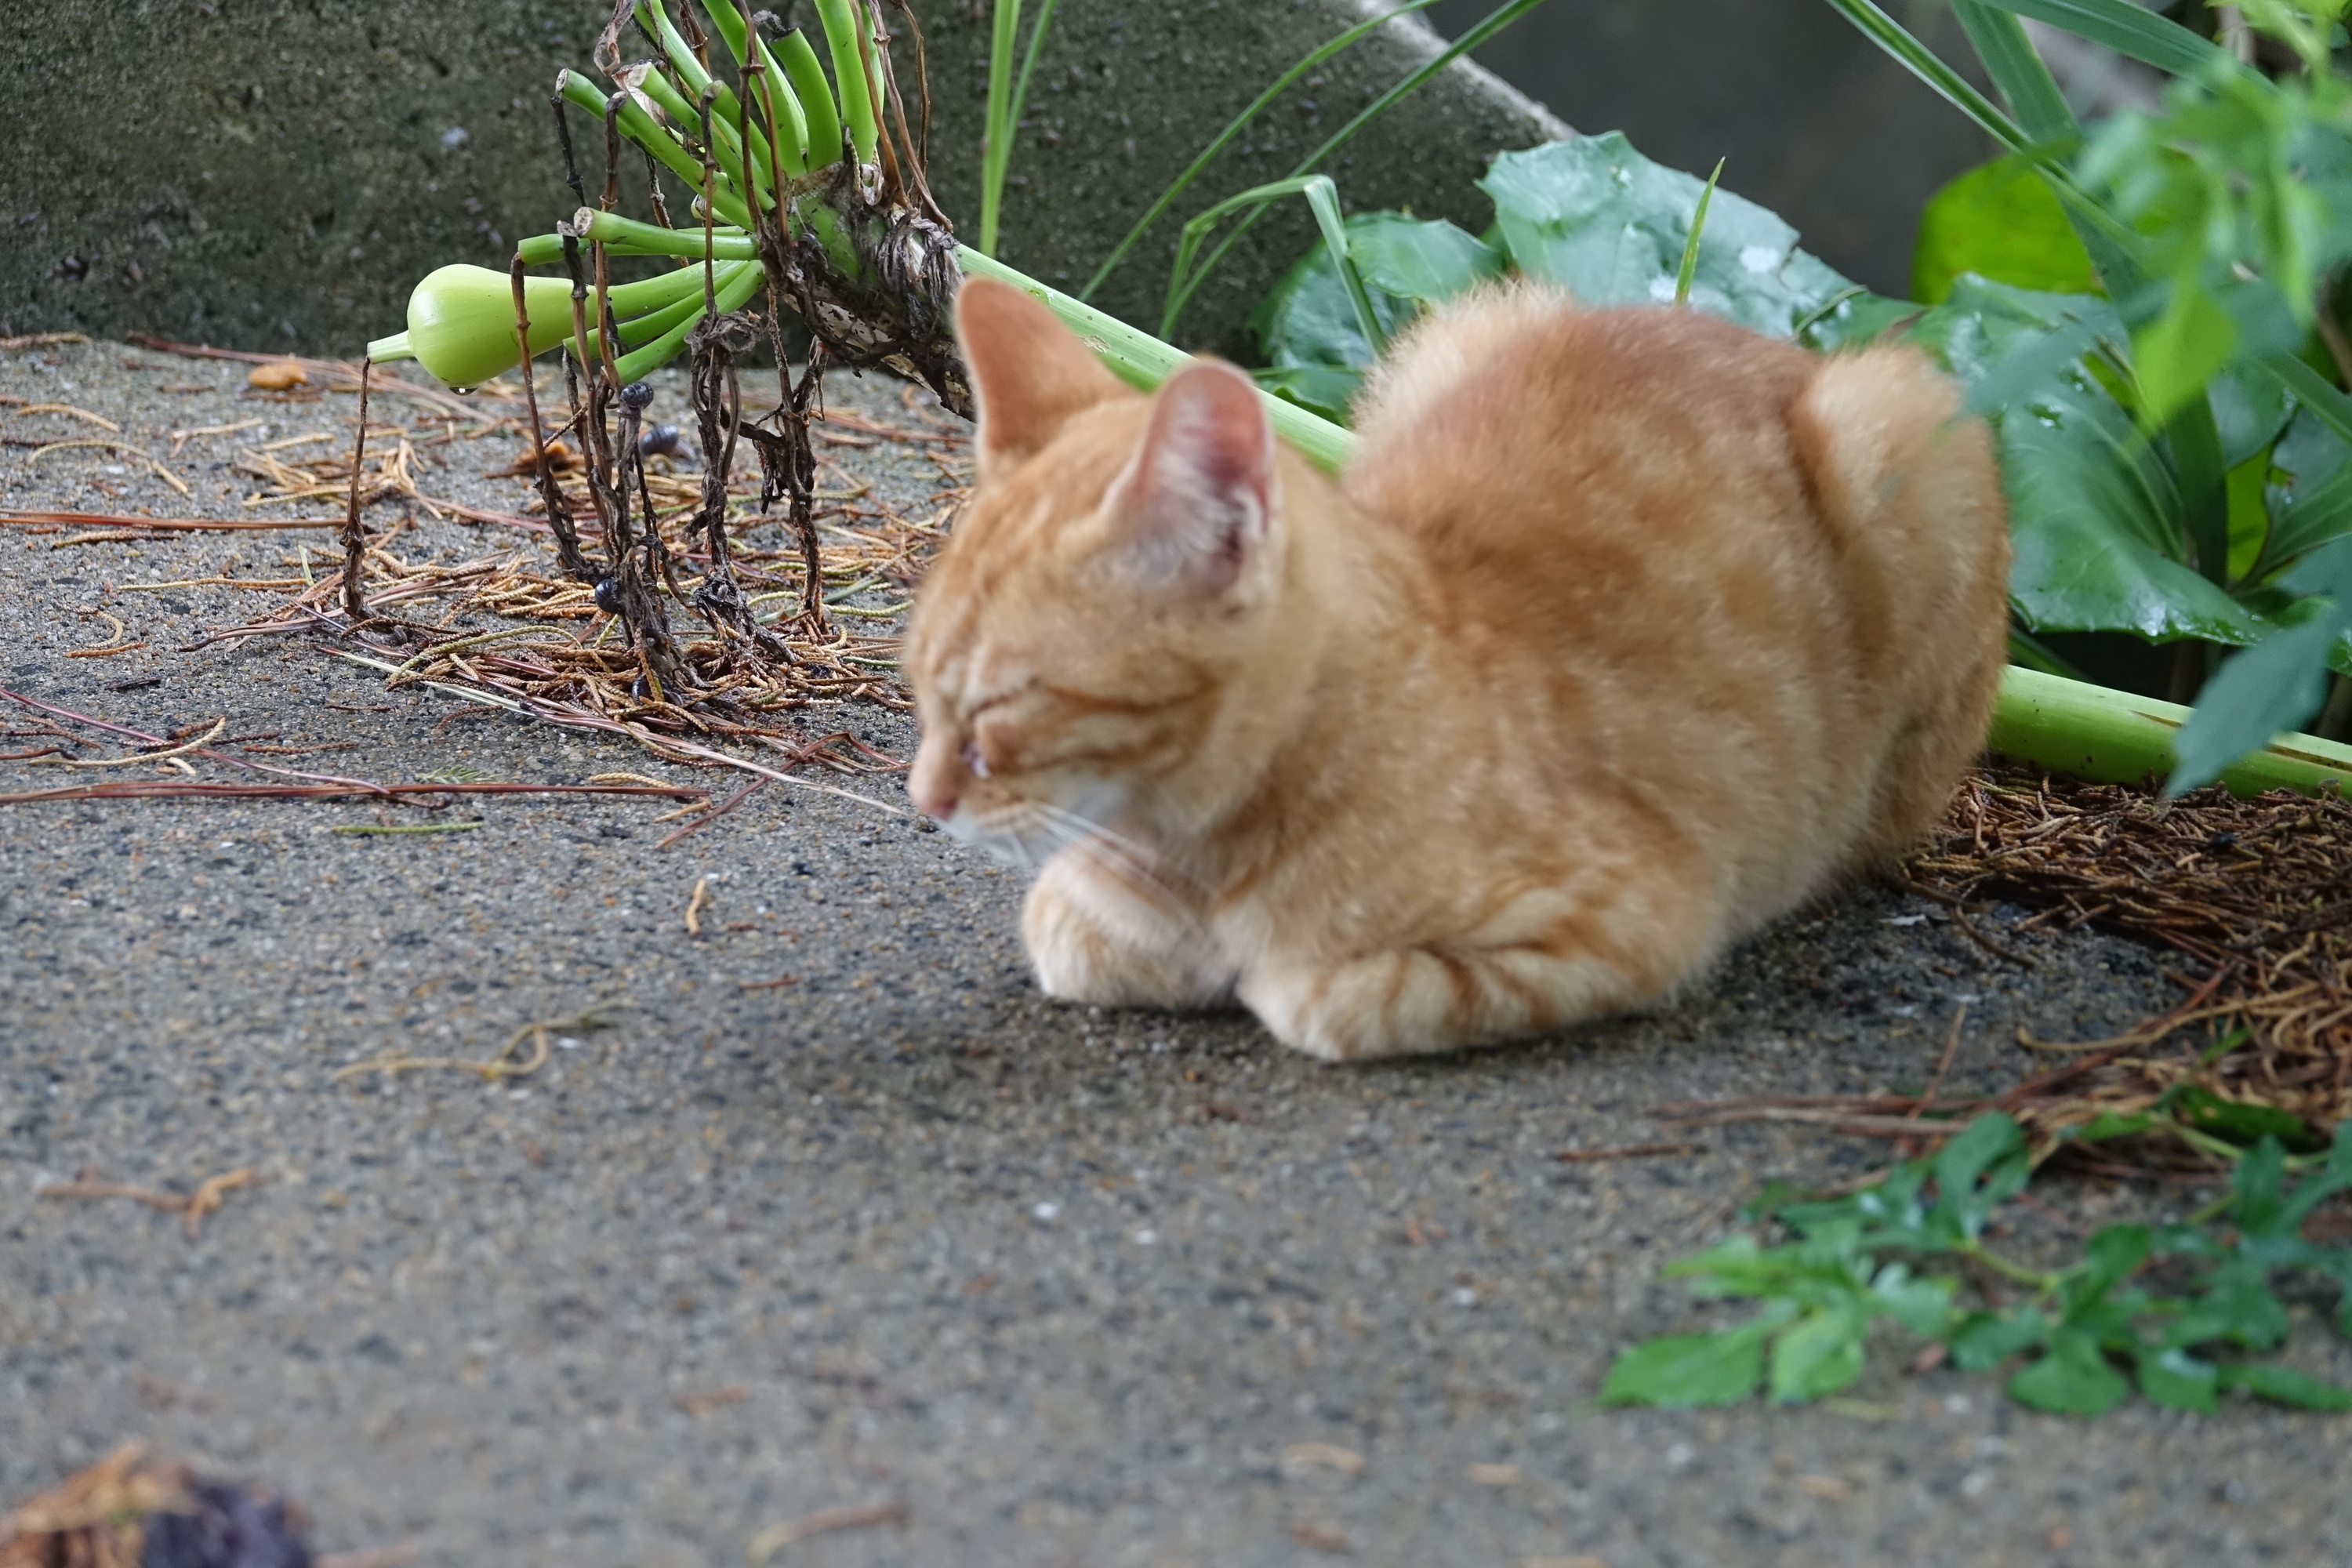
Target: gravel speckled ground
{"x": 1069, "y": 1286}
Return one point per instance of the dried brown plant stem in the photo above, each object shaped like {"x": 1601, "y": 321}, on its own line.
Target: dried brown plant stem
{"x": 559, "y": 512}
{"x": 354, "y": 534}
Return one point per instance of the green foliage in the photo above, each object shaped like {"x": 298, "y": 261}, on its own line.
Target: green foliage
{"x": 2000, "y": 222}
{"x": 1896, "y": 1251}
{"x": 2218, "y": 225}
{"x": 1591, "y": 214}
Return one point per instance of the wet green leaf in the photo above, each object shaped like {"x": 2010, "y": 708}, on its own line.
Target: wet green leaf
{"x": 1594, "y": 216}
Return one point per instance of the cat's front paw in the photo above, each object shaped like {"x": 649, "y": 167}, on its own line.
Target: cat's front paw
{"x": 1086, "y": 945}
{"x": 1326, "y": 1014}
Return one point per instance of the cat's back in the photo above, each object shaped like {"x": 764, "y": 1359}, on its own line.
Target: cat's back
{"x": 1507, "y": 415}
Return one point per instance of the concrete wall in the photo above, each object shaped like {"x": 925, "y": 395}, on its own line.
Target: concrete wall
{"x": 275, "y": 173}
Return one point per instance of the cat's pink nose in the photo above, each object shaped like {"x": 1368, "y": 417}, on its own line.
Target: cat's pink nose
{"x": 932, "y": 785}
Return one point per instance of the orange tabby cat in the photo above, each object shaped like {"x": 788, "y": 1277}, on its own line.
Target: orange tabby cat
{"x": 1624, "y": 632}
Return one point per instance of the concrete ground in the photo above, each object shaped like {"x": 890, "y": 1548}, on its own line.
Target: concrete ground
{"x": 1046, "y": 1285}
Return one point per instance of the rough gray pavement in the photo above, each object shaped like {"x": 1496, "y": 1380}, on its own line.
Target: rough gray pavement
{"x": 1071, "y": 1287}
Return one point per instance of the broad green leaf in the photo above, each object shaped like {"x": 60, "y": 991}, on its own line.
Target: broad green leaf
{"x": 2109, "y": 1258}
{"x": 1307, "y": 320}
{"x": 2238, "y": 1306}
{"x": 2095, "y": 509}
{"x": 1596, "y": 217}
{"x": 2252, "y": 413}
{"x": 2185, "y": 348}
{"x": 1425, "y": 262}
{"x": 1324, "y": 389}
{"x": 1924, "y": 1306}
{"x": 2072, "y": 1379}
{"x": 1684, "y": 1369}
{"x": 2270, "y": 688}
{"x": 2310, "y": 492}
{"x": 2286, "y": 1386}
{"x": 2176, "y": 1380}
{"x": 1820, "y": 1354}
{"x": 1990, "y": 1148}
{"x": 1987, "y": 1338}
{"x": 1856, "y": 319}
{"x": 2255, "y": 1187}
{"x": 2332, "y": 1178}
{"x": 1998, "y": 220}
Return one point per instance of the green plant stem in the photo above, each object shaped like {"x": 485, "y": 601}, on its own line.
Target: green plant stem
{"x": 1144, "y": 362}
{"x": 806, "y": 75}
{"x": 638, "y": 126}
{"x": 724, "y": 108}
{"x": 628, "y": 237}
{"x": 797, "y": 152}
{"x": 1239, "y": 123}
{"x": 839, "y": 19}
{"x": 1493, "y": 23}
{"x": 2015, "y": 1273}
{"x": 2113, "y": 737}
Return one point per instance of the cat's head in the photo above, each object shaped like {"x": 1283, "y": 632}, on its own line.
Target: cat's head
{"x": 1085, "y": 649}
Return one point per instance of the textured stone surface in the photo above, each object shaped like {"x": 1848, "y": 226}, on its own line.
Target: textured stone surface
{"x": 264, "y": 174}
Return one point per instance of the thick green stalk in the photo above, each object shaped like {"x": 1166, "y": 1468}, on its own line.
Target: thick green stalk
{"x": 858, "y": 112}
{"x": 806, "y": 75}
{"x": 2113, "y": 737}
{"x": 1144, "y": 362}
{"x": 639, "y": 127}
{"x": 1240, "y": 122}
{"x": 725, "y": 147}
{"x": 628, "y": 237}
{"x": 741, "y": 36}
{"x": 732, "y": 296}
{"x": 725, "y": 110}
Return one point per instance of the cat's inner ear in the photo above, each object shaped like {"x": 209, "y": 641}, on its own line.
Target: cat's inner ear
{"x": 1198, "y": 497}
{"x": 1029, "y": 372}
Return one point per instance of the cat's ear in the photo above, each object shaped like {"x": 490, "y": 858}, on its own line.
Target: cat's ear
{"x": 1029, "y": 372}
{"x": 1198, "y": 497}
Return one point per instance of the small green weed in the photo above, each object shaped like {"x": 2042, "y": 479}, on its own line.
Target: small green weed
{"x": 1899, "y": 1249}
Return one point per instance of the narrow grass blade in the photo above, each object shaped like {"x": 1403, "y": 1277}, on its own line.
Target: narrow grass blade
{"x": 1240, "y": 122}
{"x": 1689, "y": 268}
{"x": 1323, "y": 198}
{"x": 2127, "y": 29}
{"x": 997, "y": 131}
{"x": 2016, "y": 69}
{"x": 1493, "y": 23}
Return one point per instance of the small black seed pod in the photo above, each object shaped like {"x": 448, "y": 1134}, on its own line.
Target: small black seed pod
{"x": 608, "y": 596}
{"x": 636, "y": 394}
